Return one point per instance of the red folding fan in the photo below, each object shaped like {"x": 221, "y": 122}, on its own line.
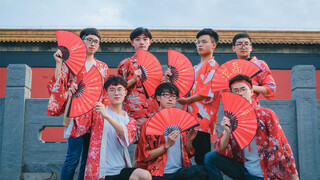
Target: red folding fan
{"x": 182, "y": 72}
{"x": 151, "y": 71}
{"x": 242, "y": 117}
{"x": 170, "y": 119}
{"x": 74, "y": 52}
{"x": 88, "y": 93}
{"x": 230, "y": 69}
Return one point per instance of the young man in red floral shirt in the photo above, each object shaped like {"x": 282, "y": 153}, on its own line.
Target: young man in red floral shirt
{"x": 263, "y": 83}
{"x": 167, "y": 157}
{"x": 268, "y": 156}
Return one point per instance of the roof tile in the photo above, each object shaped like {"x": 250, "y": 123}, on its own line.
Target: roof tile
{"x": 166, "y": 36}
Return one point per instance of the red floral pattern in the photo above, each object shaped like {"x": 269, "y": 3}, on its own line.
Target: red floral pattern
{"x": 263, "y": 79}
{"x": 147, "y": 143}
{"x": 276, "y": 157}
{"x": 93, "y": 159}
{"x": 206, "y": 110}
{"x": 58, "y": 91}
{"x": 136, "y": 104}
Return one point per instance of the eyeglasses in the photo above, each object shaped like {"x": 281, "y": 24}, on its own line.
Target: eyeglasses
{"x": 246, "y": 46}
{"x": 173, "y": 96}
{"x": 238, "y": 91}
{"x": 90, "y": 40}
{"x": 120, "y": 90}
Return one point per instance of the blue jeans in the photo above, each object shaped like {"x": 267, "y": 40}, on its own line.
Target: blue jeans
{"x": 214, "y": 163}
{"x": 76, "y": 146}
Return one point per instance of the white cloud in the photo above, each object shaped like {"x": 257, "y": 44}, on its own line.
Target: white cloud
{"x": 104, "y": 17}
{"x": 165, "y": 14}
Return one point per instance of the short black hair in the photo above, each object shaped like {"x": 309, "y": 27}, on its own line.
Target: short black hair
{"x": 136, "y": 32}
{"x": 239, "y": 78}
{"x": 90, "y": 31}
{"x": 214, "y": 36}
{"x": 166, "y": 87}
{"x": 115, "y": 80}
{"x": 240, "y": 35}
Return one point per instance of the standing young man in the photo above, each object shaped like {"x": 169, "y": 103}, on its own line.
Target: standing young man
{"x": 112, "y": 132}
{"x": 202, "y": 103}
{"x": 263, "y": 83}
{"x": 136, "y": 103}
{"x": 77, "y": 129}
{"x": 167, "y": 157}
{"x": 269, "y": 154}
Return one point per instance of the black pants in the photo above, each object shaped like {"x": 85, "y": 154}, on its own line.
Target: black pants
{"x": 124, "y": 174}
{"x": 193, "y": 172}
{"x": 201, "y": 145}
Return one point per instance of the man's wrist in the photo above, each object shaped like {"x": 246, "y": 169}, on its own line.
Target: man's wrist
{"x": 164, "y": 147}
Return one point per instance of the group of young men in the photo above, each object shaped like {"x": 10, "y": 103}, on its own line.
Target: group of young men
{"x": 101, "y": 137}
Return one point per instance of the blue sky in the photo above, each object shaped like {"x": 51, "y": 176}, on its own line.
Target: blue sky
{"x": 161, "y": 14}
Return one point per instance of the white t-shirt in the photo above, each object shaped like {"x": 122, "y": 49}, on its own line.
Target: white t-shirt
{"x": 253, "y": 163}
{"x": 173, "y": 163}
{"x": 89, "y": 65}
{"x": 112, "y": 155}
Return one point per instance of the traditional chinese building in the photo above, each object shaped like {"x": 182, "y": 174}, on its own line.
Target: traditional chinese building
{"x": 280, "y": 49}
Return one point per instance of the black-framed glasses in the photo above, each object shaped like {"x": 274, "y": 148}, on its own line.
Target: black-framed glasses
{"x": 173, "y": 96}
{"x": 246, "y": 45}
{"x": 90, "y": 40}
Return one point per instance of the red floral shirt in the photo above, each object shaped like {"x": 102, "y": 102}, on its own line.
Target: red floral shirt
{"x": 276, "y": 157}
{"x": 58, "y": 91}
{"x": 263, "y": 79}
{"x": 149, "y": 142}
{"x": 136, "y": 103}
{"x": 94, "y": 154}
{"x": 206, "y": 110}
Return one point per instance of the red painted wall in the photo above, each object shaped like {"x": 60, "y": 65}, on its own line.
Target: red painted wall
{"x": 40, "y": 79}
{"x": 41, "y": 76}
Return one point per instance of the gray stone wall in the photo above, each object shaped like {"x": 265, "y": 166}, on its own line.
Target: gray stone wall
{"x": 40, "y": 156}
{"x": 319, "y": 134}
{"x": 2, "y": 101}
{"x": 303, "y": 84}
{"x": 18, "y": 90}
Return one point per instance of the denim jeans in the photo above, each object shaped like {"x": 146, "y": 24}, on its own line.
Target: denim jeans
{"x": 76, "y": 146}
{"x": 214, "y": 163}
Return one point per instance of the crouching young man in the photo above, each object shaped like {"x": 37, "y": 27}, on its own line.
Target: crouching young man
{"x": 269, "y": 154}
{"x": 168, "y": 157}
{"x": 112, "y": 132}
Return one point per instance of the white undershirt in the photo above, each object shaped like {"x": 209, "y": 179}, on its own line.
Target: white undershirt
{"x": 89, "y": 65}
{"x": 113, "y": 154}
{"x": 253, "y": 163}
{"x": 173, "y": 163}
